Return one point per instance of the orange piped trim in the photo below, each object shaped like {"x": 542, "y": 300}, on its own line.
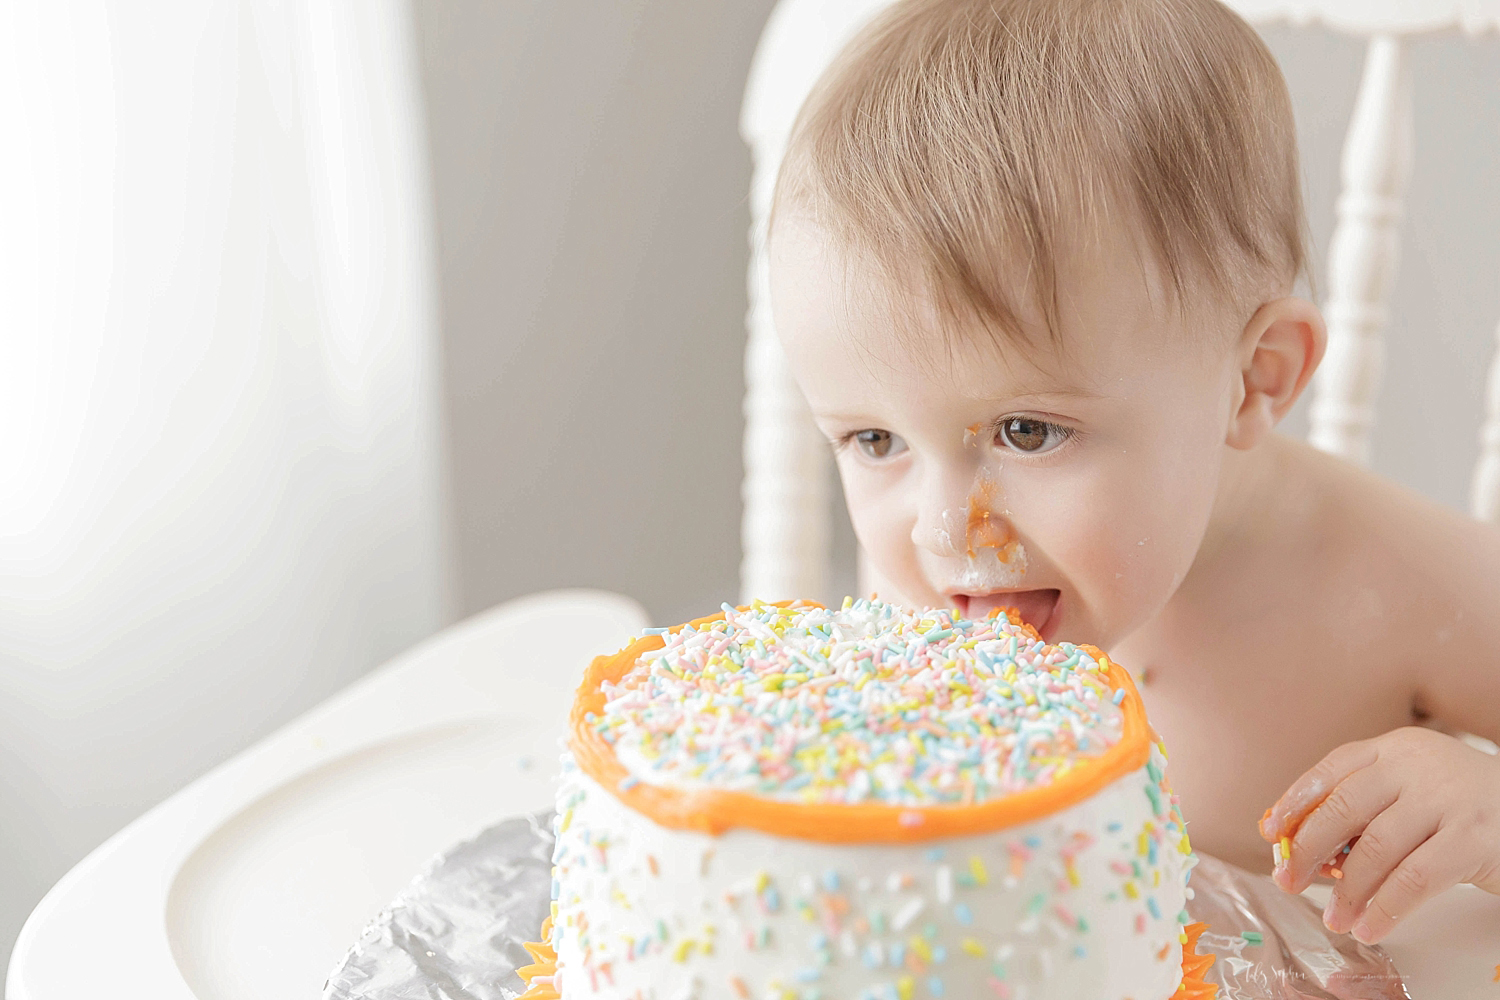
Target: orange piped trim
{"x": 713, "y": 811}
{"x": 544, "y": 966}
{"x": 1195, "y": 968}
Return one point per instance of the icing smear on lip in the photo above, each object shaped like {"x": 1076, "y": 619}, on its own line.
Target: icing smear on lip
{"x": 985, "y": 572}
{"x": 995, "y": 560}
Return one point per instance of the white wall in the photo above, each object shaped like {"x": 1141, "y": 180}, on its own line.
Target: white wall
{"x": 592, "y": 226}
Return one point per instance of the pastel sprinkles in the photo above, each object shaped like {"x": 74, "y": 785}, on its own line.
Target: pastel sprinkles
{"x": 866, "y": 703}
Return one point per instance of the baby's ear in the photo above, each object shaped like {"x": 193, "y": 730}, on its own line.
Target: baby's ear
{"x": 1278, "y": 352}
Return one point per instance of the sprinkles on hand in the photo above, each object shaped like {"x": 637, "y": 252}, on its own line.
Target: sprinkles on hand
{"x": 868, "y": 703}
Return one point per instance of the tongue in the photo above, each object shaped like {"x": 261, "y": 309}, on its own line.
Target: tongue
{"x": 1034, "y": 606}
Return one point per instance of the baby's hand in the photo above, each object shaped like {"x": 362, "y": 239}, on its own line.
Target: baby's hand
{"x": 1422, "y": 811}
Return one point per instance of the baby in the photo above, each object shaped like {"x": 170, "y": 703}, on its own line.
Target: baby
{"x": 1032, "y": 263}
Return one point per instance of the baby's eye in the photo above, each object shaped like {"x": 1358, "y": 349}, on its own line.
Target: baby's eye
{"x": 1031, "y": 436}
{"x": 877, "y": 443}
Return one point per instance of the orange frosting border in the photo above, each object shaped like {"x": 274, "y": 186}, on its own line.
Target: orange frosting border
{"x": 714, "y": 811}
{"x": 539, "y": 976}
{"x": 1195, "y": 985}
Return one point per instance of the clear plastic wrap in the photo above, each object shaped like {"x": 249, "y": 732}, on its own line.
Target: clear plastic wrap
{"x": 1297, "y": 958}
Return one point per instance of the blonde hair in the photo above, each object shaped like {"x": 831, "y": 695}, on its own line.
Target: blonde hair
{"x": 955, "y": 139}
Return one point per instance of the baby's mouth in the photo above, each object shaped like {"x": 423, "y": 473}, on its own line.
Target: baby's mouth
{"x": 1036, "y": 607}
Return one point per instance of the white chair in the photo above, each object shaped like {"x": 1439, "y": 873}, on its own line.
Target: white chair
{"x": 787, "y": 473}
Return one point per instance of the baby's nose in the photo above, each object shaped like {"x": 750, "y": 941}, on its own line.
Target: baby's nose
{"x": 986, "y": 529}
{"x": 942, "y": 532}
{"x": 954, "y": 524}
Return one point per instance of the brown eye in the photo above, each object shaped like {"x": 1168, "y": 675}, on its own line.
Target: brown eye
{"x": 1031, "y": 436}
{"x": 879, "y": 444}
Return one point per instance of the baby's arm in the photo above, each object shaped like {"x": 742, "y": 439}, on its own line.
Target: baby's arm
{"x": 1417, "y": 810}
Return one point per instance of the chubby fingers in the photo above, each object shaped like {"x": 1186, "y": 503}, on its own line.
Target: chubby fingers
{"x": 1345, "y": 812}
{"x": 1439, "y": 862}
{"x": 1381, "y": 862}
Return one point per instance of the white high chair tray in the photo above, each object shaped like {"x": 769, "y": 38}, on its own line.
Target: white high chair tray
{"x": 254, "y": 880}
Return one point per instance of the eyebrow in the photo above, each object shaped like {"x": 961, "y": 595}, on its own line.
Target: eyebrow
{"x": 1028, "y": 392}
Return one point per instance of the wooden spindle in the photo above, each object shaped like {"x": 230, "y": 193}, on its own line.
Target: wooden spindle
{"x": 1484, "y": 491}
{"x": 785, "y": 528}
{"x": 1363, "y": 255}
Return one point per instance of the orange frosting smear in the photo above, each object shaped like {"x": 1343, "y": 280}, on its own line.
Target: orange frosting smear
{"x": 713, "y": 811}
{"x": 984, "y": 529}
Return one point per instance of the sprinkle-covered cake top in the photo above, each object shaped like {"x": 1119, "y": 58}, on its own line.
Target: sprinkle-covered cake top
{"x": 865, "y": 704}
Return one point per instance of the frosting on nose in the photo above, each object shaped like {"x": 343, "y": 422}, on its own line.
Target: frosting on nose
{"x": 983, "y": 529}
{"x": 949, "y": 535}
{"x": 994, "y": 557}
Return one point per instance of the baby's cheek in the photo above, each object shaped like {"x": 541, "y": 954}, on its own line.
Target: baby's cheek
{"x": 1124, "y": 554}
{"x": 1112, "y": 556}
{"x": 1159, "y": 529}
{"x": 883, "y": 528}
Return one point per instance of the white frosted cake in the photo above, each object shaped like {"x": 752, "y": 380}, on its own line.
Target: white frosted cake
{"x": 801, "y": 803}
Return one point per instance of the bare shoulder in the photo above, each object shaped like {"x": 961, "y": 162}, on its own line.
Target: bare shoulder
{"x": 1435, "y": 559}
{"x": 1430, "y": 573}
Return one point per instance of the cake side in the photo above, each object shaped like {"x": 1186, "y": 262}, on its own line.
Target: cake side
{"x": 1087, "y": 902}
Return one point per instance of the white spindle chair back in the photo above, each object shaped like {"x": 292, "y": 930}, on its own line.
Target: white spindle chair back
{"x": 787, "y": 477}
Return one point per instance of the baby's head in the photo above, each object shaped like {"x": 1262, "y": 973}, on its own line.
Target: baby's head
{"x": 1031, "y": 261}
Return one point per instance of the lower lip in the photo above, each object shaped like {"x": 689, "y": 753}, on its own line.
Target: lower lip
{"x": 1037, "y": 610}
